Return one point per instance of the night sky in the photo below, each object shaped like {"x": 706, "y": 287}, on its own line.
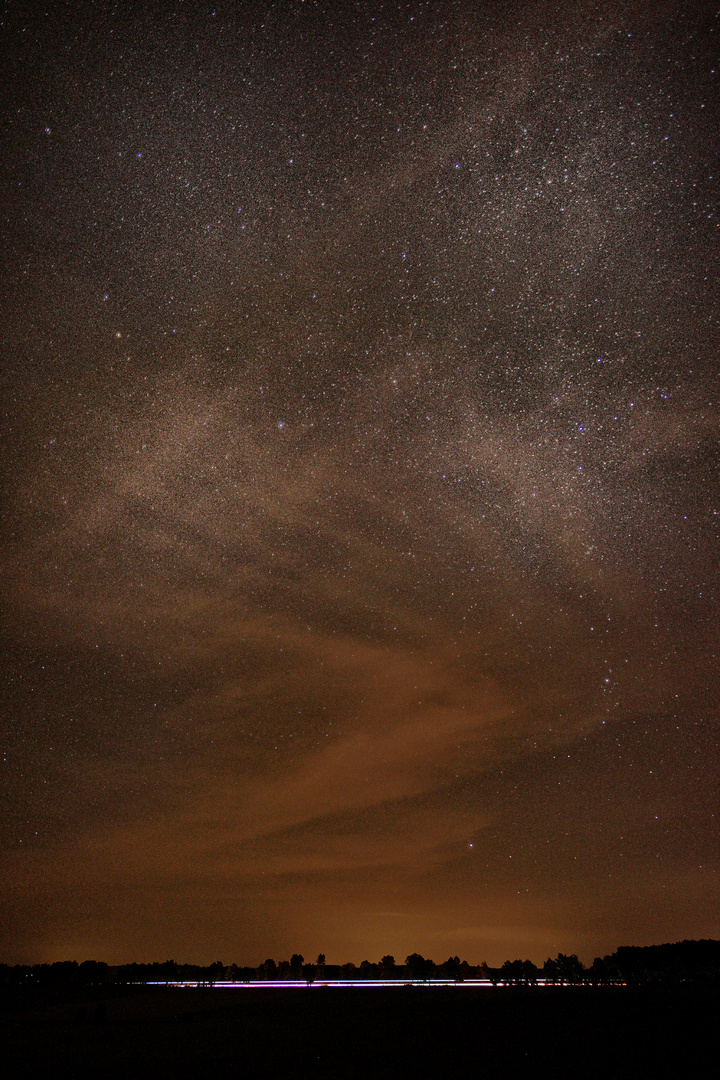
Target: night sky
{"x": 360, "y": 509}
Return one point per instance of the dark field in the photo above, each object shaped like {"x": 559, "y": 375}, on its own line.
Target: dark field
{"x": 505, "y": 1032}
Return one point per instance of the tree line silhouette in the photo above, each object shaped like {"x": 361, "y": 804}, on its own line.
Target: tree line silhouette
{"x": 670, "y": 964}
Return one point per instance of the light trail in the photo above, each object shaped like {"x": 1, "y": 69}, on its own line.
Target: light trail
{"x": 342, "y": 984}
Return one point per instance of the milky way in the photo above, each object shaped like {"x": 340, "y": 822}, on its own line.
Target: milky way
{"x": 360, "y": 513}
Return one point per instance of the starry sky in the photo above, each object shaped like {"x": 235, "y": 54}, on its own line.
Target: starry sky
{"x": 359, "y": 550}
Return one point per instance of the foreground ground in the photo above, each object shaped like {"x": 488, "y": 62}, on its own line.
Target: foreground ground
{"x": 319, "y": 1032}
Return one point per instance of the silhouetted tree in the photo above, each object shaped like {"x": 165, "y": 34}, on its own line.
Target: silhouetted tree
{"x": 419, "y": 967}
{"x": 530, "y": 973}
{"x": 550, "y": 971}
{"x": 93, "y": 972}
{"x": 216, "y": 972}
{"x": 512, "y": 972}
{"x": 681, "y": 962}
{"x": 451, "y": 968}
{"x": 296, "y": 963}
{"x": 570, "y": 968}
{"x": 387, "y": 966}
{"x": 168, "y": 971}
{"x": 599, "y": 972}
{"x": 61, "y": 973}
{"x": 565, "y": 969}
